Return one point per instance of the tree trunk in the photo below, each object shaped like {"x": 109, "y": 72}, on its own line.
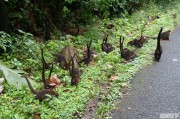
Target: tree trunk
{"x": 4, "y": 16}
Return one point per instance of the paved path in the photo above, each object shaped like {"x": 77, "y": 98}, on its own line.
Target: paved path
{"x": 156, "y": 88}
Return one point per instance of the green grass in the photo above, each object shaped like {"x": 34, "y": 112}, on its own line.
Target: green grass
{"x": 145, "y": 54}
{"x": 21, "y": 104}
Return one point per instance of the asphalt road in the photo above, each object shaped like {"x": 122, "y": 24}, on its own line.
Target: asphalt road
{"x": 155, "y": 91}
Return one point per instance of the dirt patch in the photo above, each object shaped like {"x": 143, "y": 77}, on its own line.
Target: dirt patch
{"x": 75, "y": 31}
{"x": 92, "y": 106}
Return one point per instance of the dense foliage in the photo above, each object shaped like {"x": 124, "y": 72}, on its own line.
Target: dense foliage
{"x": 31, "y": 15}
{"x": 21, "y": 51}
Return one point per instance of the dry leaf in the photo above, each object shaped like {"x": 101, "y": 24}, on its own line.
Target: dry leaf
{"x": 67, "y": 52}
{"x": 109, "y": 66}
{"x": 37, "y": 116}
{"x": 92, "y": 63}
{"x": 54, "y": 81}
{"x": 120, "y": 94}
{"x": 67, "y": 90}
{"x": 94, "y": 55}
{"x": 113, "y": 77}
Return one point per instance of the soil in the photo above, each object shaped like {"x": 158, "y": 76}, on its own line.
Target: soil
{"x": 92, "y": 106}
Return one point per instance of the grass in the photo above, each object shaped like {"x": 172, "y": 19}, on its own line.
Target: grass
{"x": 20, "y": 104}
{"x": 145, "y": 54}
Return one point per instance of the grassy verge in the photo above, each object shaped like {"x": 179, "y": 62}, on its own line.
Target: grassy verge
{"x": 20, "y": 104}
{"x": 145, "y": 54}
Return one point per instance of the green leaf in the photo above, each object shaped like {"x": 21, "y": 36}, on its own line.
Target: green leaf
{"x": 13, "y": 77}
{"x": 1, "y": 86}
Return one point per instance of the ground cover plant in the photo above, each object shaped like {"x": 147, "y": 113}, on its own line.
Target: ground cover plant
{"x": 103, "y": 77}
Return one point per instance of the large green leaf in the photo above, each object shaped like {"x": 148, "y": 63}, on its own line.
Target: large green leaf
{"x": 1, "y": 86}
{"x": 14, "y": 77}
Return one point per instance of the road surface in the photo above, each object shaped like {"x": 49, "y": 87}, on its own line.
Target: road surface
{"x": 155, "y": 92}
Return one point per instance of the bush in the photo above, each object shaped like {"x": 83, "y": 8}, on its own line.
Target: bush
{"x": 30, "y": 15}
{"x": 19, "y": 48}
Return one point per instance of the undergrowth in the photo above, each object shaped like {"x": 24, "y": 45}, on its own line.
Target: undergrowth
{"x": 20, "y": 104}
